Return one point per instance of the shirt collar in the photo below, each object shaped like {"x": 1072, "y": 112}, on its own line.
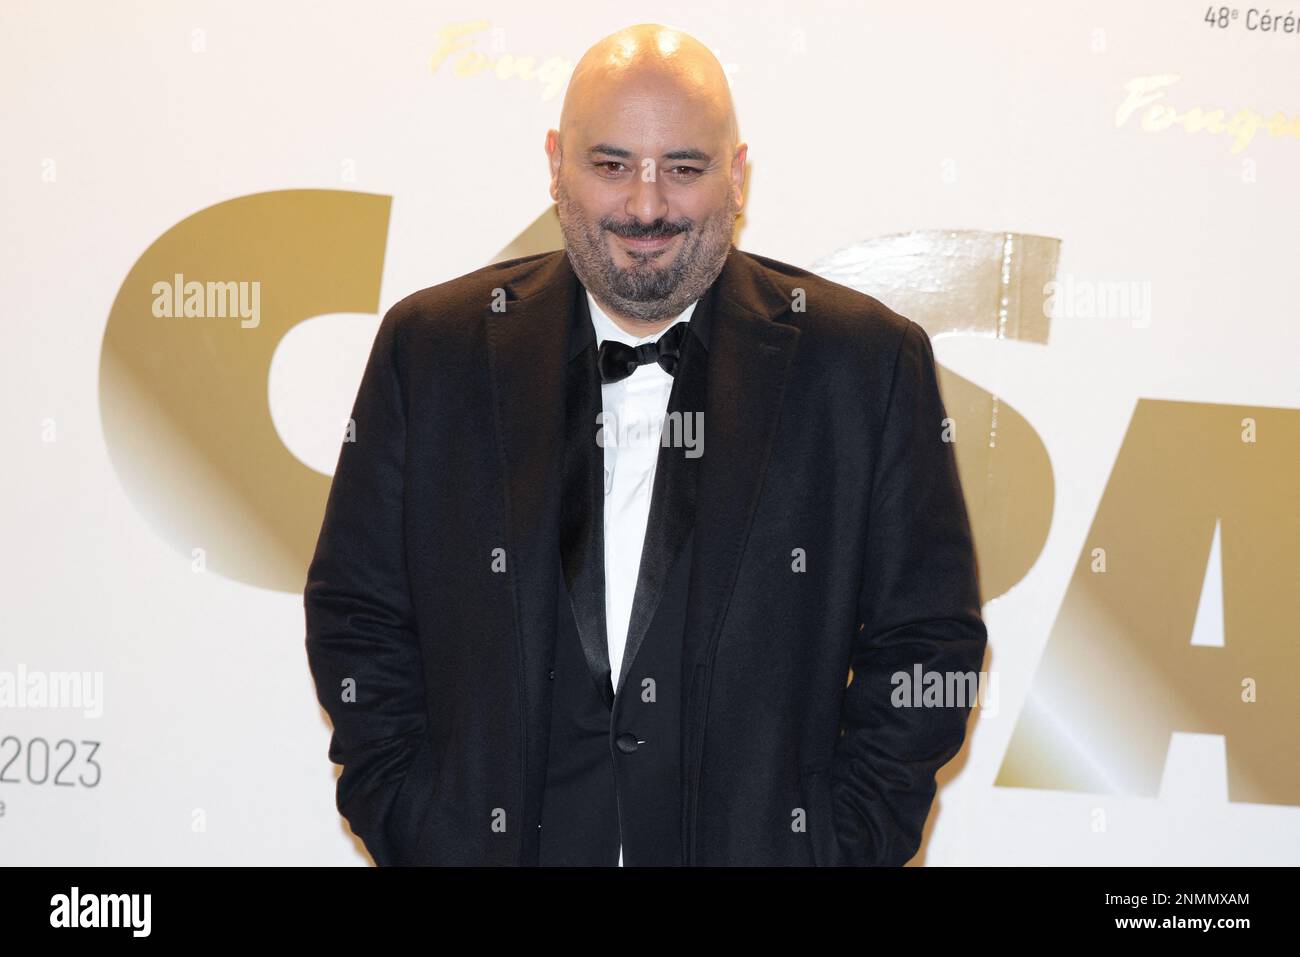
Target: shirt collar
{"x": 606, "y": 328}
{"x": 588, "y": 317}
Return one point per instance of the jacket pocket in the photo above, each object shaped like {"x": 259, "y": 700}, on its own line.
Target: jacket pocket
{"x": 819, "y": 808}
{"x": 406, "y": 825}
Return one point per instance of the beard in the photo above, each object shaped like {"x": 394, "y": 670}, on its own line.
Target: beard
{"x": 644, "y": 291}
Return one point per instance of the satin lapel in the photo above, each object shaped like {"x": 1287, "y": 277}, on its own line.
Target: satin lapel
{"x": 672, "y": 500}
{"x": 582, "y": 511}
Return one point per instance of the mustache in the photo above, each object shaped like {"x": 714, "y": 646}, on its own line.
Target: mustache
{"x": 659, "y": 229}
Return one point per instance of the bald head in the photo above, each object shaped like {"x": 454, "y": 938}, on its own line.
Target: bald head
{"x": 645, "y": 60}
{"x": 647, "y": 172}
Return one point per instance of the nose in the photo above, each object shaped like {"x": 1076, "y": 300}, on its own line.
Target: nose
{"x": 646, "y": 200}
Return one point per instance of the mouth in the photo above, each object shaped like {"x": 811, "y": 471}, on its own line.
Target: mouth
{"x": 647, "y": 245}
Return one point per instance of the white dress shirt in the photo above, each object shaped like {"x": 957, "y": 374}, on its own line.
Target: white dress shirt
{"x": 634, "y": 411}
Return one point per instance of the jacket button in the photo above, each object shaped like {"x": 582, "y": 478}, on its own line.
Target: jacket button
{"x": 626, "y": 742}
{"x": 551, "y": 674}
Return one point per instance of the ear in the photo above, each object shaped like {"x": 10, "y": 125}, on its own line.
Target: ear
{"x": 553, "y": 156}
{"x": 738, "y": 174}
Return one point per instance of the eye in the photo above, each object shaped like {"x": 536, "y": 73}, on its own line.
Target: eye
{"x": 604, "y": 166}
{"x": 687, "y": 172}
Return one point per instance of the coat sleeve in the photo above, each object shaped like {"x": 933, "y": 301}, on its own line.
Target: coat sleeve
{"x": 361, "y": 640}
{"x": 919, "y": 606}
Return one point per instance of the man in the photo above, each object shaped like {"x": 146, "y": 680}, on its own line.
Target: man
{"x": 548, "y": 633}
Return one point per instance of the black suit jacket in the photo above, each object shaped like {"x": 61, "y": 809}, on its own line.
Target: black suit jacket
{"x": 830, "y": 533}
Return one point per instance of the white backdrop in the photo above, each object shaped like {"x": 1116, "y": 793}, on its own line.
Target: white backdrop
{"x": 863, "y": 120}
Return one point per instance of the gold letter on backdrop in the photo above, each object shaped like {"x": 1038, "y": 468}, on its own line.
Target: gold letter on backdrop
{"x": 1120, "y": 673}
{"x": 184, "y": 398}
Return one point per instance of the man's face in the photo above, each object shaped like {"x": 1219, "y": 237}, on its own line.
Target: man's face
{"x": 647, "y": 196}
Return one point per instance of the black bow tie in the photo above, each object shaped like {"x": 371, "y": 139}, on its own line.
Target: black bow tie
{"x": 618, "y": 360}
